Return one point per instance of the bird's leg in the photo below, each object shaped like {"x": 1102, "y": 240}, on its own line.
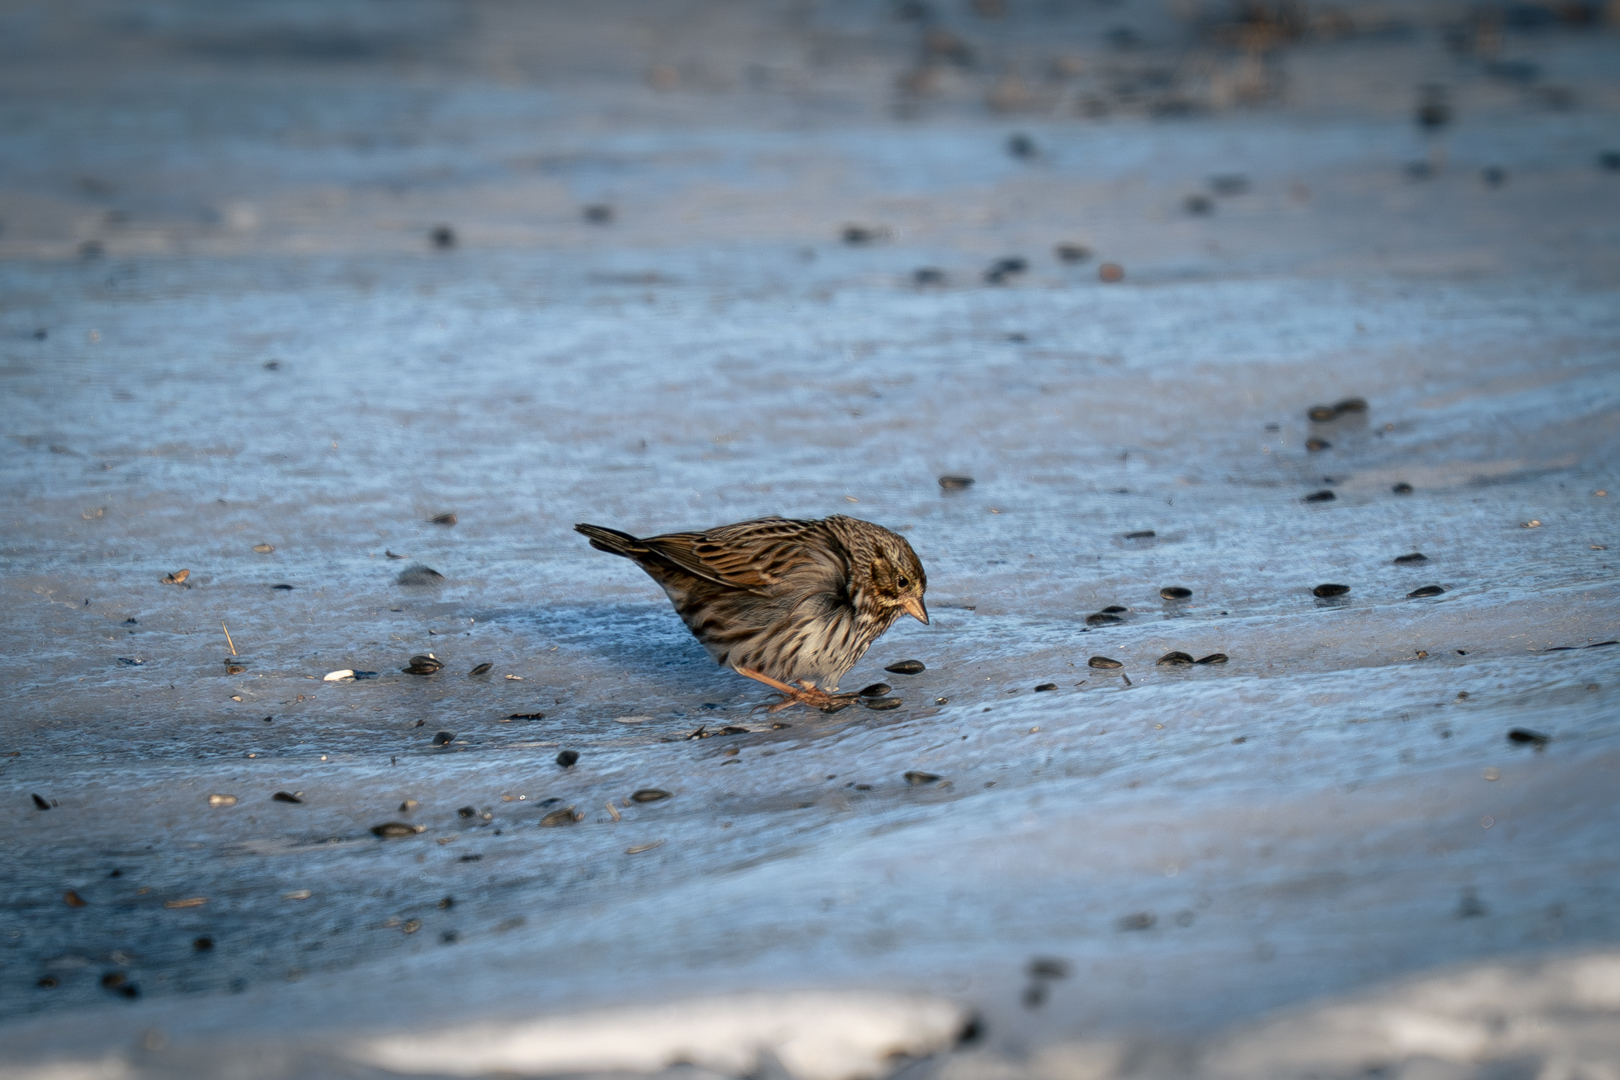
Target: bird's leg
{"x": 806, "y": 693}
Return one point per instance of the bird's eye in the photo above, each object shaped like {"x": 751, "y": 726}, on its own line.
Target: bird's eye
{"x": 903, "y": 583}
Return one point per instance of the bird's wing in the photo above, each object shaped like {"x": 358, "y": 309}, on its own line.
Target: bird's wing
{"x": 749, "y": 555}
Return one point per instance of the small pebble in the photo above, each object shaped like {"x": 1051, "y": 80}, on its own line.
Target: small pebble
{"x": 1319, "y": 496}
{"x": 1427, "y": 590}
{"x": 918, "y": 779}
{"x": 1111, "y": 273}
{"x": 1212, "y": 658}
{"x": 856, "y": 235}
{"x": 1002, "y": 269}
{"x": 598, "y": 214}
{"x": 409, "y": 806}
{"x": 882, "y": 704}
{"x": 1493, "y": 176}
{"x": 556, "y": 818}
{"x": 1199, "y": 205}
{"x": 1414, "y": 557}
{"x": 1072, "y": 253}
{"x": 443, "y": 237}
{"x": 1314, "y": 445}
{"x": 202, "y": 944}
{"x": 1526, "y": 737}
{"x": 955, "y": 483}
{"x": 222, "y": 800}
{"x": 527, "y": 716}
{"x": 1021, "y": 146}
{"x": 47, "y": 983}
{"x": 481, "y": 669}
{"x": 286, "y": 797}
{"x": 1402, "y": 489}
{"x": 1330, "y": 590}
{"x": 391, "y": 830}
{"x": 1175, "y": 592}
{"x": 1174, "y": 659}
{"x": 444, "y": 738}
{"x": 877, "y": 689}
{"x": 73, "y": 899}
{"x": 40, "y": 803}
{"x": 928, "y": 275}
{"x": 1046, "y": 686}
{"x": 263, "y": 549}
{"x": 907, "y": 667}
{"x": 1229, "y": 184}
{"x": 1141, "y": 920}
{"x": 567, "y": 758}
{"x": 650, "y": 795}
{"x": 1102, "y": 618}
{"x": 1103, "y": 662}
{"x": 423, "y": 665}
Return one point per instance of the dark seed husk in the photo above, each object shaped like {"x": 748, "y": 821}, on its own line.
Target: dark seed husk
{"x": 918, "y": 779}
{"x": 567, "y": 758}
{"x": 285, "y": 796}
{"x": 1402, "y": 489}
{"x": 1173, "y": 659}
{"x": 442, "y": 519}
{"x": 1321, "y": 413}
{"x": 1048, "y": 967}
{"x": 1528, "y": 737}
{"x": 1175, "y": 592}
{"x": 877, "y": 689}
{"x": 1416, "y": 556}
{"x": 481, "y": 669}
{"x": 1141, "y": 534}
{"x": 1114, "y": 609}
{"x": 527, "y": 716}
{"x": 1212, "y": 658}
{"x": 1072, "y": 253}
{"x": 928, "y": 275}
{"x": 423, "y": 665}
{"x": 40, "y": 803}
{"x": 467, "y": 812}
{"x": 881, "y": 704}
{"x": 564, "y": 816}
{"x": 1103, "y": 662}
{"x": 1427, "y": 590}
{"x": 955, "y": 483}
{"x": 733, "y": 729}
{"x": 73, "y": 899}
{"x": 419, "y": 575}
{"x": 907, "y": 667}
{"x": 444, "y": 738}
{"x": 1046, "y": 686}
{"x": 1351, "y": 405}
{"x": 1315, "y": 445}
{"x": 393, "y": 830}
{"x": 650, "y": 794}
{"x": 1330, "y": 590}
{"x": 1141, "y": 920}
{"x": 1320, "y": 496}
{"x": 1102, "y": 618}
{"x": 202, "y": 944}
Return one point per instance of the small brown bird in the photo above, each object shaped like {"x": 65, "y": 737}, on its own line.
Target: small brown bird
{"x": 790, "y": 603}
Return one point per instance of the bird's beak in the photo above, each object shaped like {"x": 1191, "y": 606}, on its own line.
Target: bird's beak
{"x": 914, "y": 608}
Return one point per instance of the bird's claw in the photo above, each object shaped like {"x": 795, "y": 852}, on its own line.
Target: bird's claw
{"x": 802, "y": 694}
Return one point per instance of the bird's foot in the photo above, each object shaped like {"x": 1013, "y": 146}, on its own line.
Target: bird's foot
{"x": 803, "y": 694}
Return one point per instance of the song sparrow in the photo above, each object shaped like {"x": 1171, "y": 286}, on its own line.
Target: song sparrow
{"x": 790, "y": 603}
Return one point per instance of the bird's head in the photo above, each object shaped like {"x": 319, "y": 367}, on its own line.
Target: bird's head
{"x": 889, "y": 574}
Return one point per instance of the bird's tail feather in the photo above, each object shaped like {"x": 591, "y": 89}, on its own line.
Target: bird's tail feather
{"x": 612, "y": 541}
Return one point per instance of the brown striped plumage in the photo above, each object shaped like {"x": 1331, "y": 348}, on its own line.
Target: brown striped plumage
{"x": 782, "y": 600}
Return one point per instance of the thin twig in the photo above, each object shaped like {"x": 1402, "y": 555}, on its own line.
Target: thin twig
{"x": 228, "y": 640}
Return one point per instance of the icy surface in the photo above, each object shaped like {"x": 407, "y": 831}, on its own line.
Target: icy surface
{"x": 265, "y": 349}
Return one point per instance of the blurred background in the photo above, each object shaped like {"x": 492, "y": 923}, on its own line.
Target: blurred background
{"x": 321, "y": 323}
